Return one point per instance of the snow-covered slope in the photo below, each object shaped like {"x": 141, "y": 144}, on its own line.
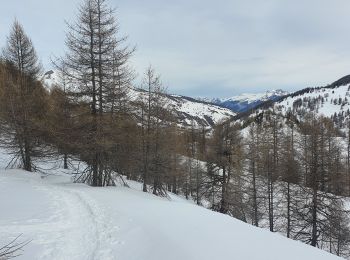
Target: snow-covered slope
{"x": 325, "y": 101}
{"x": 247, "y": 101}
{"x": 188, "y": 110}
{"x": 74, "y": 221}
{"x": 332, "y": 101}
{"x": 201, "y": 112}
{"x": 185, "y": 109}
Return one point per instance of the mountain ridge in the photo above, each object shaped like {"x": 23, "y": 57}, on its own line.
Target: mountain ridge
{"x": 247, "y": 101}
{"x": 188, "y": 111}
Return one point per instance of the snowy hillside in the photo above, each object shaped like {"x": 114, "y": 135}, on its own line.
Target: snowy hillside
{"x": 247, "y": 101}
{"x": 63, "y": 220}
{"x": 332, "y": 102}
{"x": 186, "y": 109}
{"x": 201, "y": 112}
{"x": 251, "y": 97}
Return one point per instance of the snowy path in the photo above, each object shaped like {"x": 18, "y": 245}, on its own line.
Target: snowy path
{"x": 84, "y": 223}
{"x": 66, "y": 221}
{"x": 73, "y": 225}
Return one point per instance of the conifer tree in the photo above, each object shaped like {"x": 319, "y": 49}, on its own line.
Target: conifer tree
{"x": 96, "y": 67}
{"x": 23, "y": 97}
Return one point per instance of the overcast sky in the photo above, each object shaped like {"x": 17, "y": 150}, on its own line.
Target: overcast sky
{"x": 212, "y": 48}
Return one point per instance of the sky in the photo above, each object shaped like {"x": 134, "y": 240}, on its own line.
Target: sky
{"x": 205, "y": 48}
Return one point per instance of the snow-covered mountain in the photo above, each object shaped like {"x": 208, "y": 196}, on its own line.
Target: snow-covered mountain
{"x": 202, "y": 113}
{"x": 185, "y": 109}
{"x": 188, "y": 110}
{"x": 331, "y": 101}
{"x": 247, "y": 101}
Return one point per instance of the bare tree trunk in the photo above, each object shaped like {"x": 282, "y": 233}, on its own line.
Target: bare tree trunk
{"x": 223, "y": 206}
{"x": 255, "y": 202}
{"x": 314, "y": 231}
{"x": 65, "y": 161}
{"x": 27, "y": 152}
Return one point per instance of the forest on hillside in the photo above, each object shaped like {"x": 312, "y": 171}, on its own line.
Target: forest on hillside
{"x": 270, "y": 170}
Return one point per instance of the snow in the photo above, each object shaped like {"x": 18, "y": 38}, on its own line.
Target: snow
{"x": 50, "y": 79}
{"x": 187, "y": 108}
{"x": 201, "y": 110}
{"x": 246, "y": 101}
{"x": 190, "y": 108}
{"x": 64, "y": 220}
{"x": 253, "y": 97}
{"x": 326, "y": 109}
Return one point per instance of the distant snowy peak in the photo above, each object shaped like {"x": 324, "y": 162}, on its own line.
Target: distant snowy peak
{"x": 253, "y": 97}
{"x": 247, "y": 101}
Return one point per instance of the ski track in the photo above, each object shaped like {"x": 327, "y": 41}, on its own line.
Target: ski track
{"x": 78, "y": 229}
